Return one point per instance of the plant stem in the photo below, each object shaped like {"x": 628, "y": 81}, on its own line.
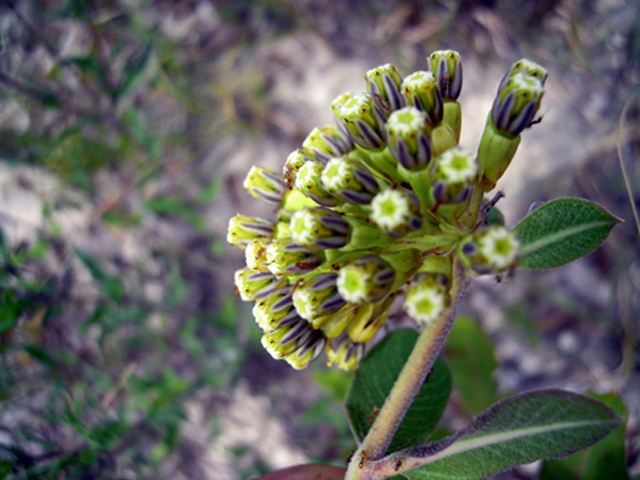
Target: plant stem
{"x": 475, "y": 202}
{"x": 411, "y": 378}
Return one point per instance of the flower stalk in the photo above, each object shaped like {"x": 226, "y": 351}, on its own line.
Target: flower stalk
{"x": 413, "y": 375}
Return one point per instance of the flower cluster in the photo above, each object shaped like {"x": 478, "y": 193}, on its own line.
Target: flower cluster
{"x": 374, "y": 209}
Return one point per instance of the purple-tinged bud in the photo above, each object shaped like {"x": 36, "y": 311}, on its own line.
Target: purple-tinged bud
{"x": 363, "y": 121}
{"x": 309, "y": 348}
{"x": 327, "y": 142}
{"x": 287, "y": 338}
{"x": 446, "y": 67}
{"x": 265, "y": 185}
{"x": 252, "y": 285}
{"x": 516, "y": 103}
{"x": 309, "y": 182}
{"x": 422, "y": 91}
{"x": 349, "y": 180}
{"x": 408, "y": 137}
{"x": 243, "y": 230}
{"x": 318, "y": 296}
{"x": 284, "y": 257}
{"x": 529, "y": 68}
{"x": 383, "y": 84}
{"x": 319, "y": 228}
{"x": 276, "y": 310}
{"x": 345, "y": 354}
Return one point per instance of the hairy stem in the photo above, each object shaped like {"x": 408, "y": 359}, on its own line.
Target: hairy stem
{"x": 414, "y": 373}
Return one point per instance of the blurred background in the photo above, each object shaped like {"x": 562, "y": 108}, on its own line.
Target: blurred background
{"x": 126, "y": 130}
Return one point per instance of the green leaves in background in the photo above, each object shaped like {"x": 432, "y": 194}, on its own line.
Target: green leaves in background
{"x": 373, "y": 381}
{"x": 562, "y": 230}
{"x": 518, "y": 430}
{"x": 470, "y": 355}
{"x": 606, "y": 459}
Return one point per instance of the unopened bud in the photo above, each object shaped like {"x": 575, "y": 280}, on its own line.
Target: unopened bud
{"x": 252, "y": 285}
{"x": 243, "y": 230}
{"x": 358, "y": 114}
{"x": 284, "y": 257}
{"x": 349, "y": 180}
{"x": 327, "y": 142}
{"x": 319, "y": 228}
{"x": 408, "y": 136}
{"x": 309, "y": 182}
{"x": 318, "y": 296}
{"x": 310, "y": 347}
{"x": 265, "y": 185}
{"x": 345, "y": 354}
{"x": 383, "y": 84}
{"x": 422, "y": 91}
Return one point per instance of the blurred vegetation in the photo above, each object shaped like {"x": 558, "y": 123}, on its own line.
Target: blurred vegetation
{"x": 111, "y": 332}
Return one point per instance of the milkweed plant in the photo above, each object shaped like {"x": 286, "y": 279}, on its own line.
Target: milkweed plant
{"x": 384, "y": 210}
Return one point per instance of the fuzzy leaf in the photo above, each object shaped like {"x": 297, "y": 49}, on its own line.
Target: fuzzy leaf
{"x": 562, "y": 230}
{"x": 373, "y": 381}
{"x": 518, "y": 430}
{"x": 606, "y": 459}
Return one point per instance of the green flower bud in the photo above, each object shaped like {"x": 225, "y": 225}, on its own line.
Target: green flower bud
{"x": 517, "y": 103}
{"x": 453, "y": 175}
{"x": 318, "y": 296}
{"x": 275, "y": 310}
{"x": 426, "y": 298}
{"x": 529, "y": 68}
{"x": 422, "y": 91}
{"x": 493, "y": 250}
{"x": 365, "y": 280}
{"x": 327, "y": 142}
{"x": 396, "y": 212}
{"x": 360, "y": 117}
{"x": 309, "y": 182}
{"x": 287, "y": 338}
{"x": 295, "y": 161}
{"x": 372, "y": 317}
{"x": 446, "y": 67}
{"x": 383, "y": 84}
{"x": 345, "y": 354}
{"x": 319, "y": 228}
{"x": 252, "y": 285}
{"x": 284, "y": 257}
{"x": 311, "y": 346}
{"x": 408, "y": 137}
{"x": 256, "y": 254}
{"x": 349, "y": 180}
{"x": 243, "y": 230}
{"x": 265, "y": 185}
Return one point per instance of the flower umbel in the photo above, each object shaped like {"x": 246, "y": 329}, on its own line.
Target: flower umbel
{"x": 378, "y": 208}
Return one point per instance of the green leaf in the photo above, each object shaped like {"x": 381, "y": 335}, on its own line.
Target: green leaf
{"x": 470, "y": 355}
{"x": 518, "y": 430}
{"x": 606, "y": 459}
{"x": 562, "y": 230}
{"x": 373, "y": 381}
